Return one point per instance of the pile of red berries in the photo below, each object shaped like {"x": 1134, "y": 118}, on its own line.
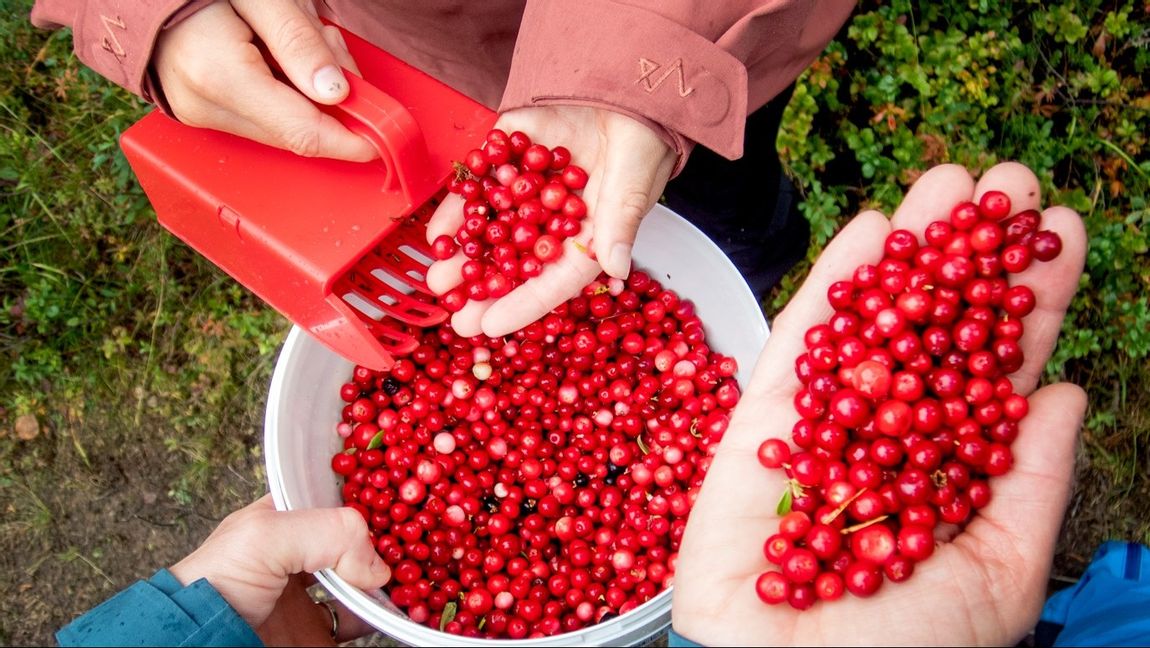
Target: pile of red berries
{"x": 538, "y": 483}
{"x": 906, "y": 406}
{"x": 521, "y": 203}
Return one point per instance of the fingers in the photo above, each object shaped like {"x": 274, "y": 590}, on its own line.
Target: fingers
{"x": 533, "y": 299}
{"x": 269, "y": 112}
{"x": 1030, "y": 500}
{"x": 1054, "y": 283}
{"x": 1015, "y": 180}
{"x": 468, "y": 321}
{"x": 445, "y": 275}
{"x": 296, "y": 620}
{"x": 313, "y": 539}
{"x": 335, "y": 41}
{"x": 213, "y": 76}
{"x": 932, "y": 197}
{"x": 636, "y": 165}
{"x": 860, "y": 241}
{"x": 447, "y": 219}
{"x": 351, "y": 627}
{"x": 295, "y": 37}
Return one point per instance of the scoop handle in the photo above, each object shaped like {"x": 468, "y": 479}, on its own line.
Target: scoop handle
{"x": 390, "y": 127}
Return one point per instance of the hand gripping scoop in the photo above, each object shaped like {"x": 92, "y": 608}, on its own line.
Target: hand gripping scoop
{"x": 336, "y": 247}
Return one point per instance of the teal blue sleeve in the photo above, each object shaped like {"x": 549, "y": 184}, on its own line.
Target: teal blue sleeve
{"x": 676, "y": 640}
{"x": 161, "y": 612}
{"x": 1108, "y": 606}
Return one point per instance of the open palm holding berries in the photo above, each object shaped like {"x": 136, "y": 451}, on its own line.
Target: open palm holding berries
{"x": 604, "y": 172}
{"x": 983, "y": 582}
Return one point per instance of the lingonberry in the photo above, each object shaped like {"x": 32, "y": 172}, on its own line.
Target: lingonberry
{"x": 773, "y": 587}
{"x": 800, "y": 565}
{"x": 773, "y": 453}
{"x": 518, "y": 209}
{"x": 519, "y": 475}
{"x": 875, "y": 543}
{"x": 829, "y": 586}
{"x": 994, "y": 205}
{"x": 862, "y": 579}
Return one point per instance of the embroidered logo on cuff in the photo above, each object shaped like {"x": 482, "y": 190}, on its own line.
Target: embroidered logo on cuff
{"x": 110, "y": 42}
{"x": 651, "y": 82}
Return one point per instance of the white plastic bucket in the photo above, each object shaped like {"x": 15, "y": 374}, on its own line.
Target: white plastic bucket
{"x": 303, "y": 409}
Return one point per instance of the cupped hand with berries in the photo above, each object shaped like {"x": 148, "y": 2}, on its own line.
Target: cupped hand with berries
{"x": 627, "y": 164}
{"x": 982, "y": 584}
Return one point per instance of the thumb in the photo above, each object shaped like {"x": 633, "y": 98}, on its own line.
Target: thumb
{"x": 308, "y": 540}
{"x": 297, "y": 41}
{"x": 1029, "y": 501}
{"x": 636, "y": 165}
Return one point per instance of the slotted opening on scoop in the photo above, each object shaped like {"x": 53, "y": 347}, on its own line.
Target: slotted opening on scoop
{"x": 387, "y": 287}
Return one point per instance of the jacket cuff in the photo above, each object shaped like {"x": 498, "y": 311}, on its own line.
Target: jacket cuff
{"x": 634, "y": 62}
{"x": 161, "y": 612}
{"x": 113, "y": 37}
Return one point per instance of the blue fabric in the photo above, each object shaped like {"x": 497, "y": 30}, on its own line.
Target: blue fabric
{"x": 676, "y": 640}
{"x": 161, "y": 612}
{"x": 1110, "y": 604}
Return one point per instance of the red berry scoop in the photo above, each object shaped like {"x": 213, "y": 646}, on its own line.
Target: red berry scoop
{"x": 906, "y": 407}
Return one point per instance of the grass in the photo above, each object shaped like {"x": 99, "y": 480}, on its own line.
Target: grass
{"x": 146, "y": 367}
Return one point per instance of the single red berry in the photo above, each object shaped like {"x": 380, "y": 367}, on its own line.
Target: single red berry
{"x": 547, "y": 248}
{"x": 986, "y": 236}
{"x": 794, "y": 525}
{"x": 863, "y": 579}
{"x": 800, "y": 565}
{"x": 773, "y": 588}
{"x": 777, "y": 546}
{"x": 916, "y": 542}
{"x": 964, "y": 215}
{"x": 574, "y": 177}
{"x": 343, "y": 464}
{"x": 773, "y": 453}
{"x": 1046, "y": 245}
{"x": 901, "y": 244}
{"x": 898, "y": 569}
{"x": 829, "y": 586}
{"x": 537, "y": 158}
{"x": 994, "y": 205}
{"x": 875, "y": 543}
{"x": 1016, "y": 258}
{"x": 1019, "y": 301}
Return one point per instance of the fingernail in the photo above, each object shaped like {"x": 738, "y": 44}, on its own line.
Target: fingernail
{"x": 619, "y": 263}
{"x": 380, "y": 569}
{"x": 329, "y": 83}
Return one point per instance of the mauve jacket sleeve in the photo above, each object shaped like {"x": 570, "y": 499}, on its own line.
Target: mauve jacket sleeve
{"x": 695, "y": 68}
{"x": 115, "y": 37}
